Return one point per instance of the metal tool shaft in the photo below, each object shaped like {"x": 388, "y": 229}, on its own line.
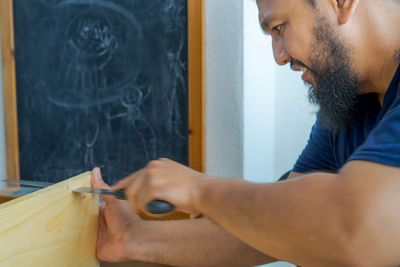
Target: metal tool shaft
{"x": 153, "y": 207}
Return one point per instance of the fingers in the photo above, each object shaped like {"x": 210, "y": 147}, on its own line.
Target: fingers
{"x": 122, "y": 184}
{"x": 139, "y": 194}
{"x": 134, "y": 188}
{"x": 97, "y": 180}
{"x": 133, "y": 195}
{"x": 160, "y": 180}
{"x": 101, "y": 230}
{"x": 102, "y": 221}
{"x": 127, "y": 181}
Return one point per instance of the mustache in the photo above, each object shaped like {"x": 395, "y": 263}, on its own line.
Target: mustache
{"x": 295, "y": 62}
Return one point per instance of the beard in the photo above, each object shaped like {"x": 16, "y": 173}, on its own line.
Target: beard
{"x": 336, "y": 84}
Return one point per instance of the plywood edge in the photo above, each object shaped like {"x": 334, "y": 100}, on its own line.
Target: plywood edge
{"x": 9, "y": 88}
{"x": 51, "y": 227}
{"x": 196, "y": 82}
{"x": 70, "y": 184}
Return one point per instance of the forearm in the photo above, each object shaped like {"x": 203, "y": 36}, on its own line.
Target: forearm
{"x": 196, "y": 242}
{"x": 319, "y": 219}
{"x": 298, "y": 220}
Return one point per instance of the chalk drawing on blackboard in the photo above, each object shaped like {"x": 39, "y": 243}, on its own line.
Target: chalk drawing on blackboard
{"x": 108, "y": 82}
{"x": 90, "y": 47}
{"x": 93, "y": 46}
{"x": 132, "y": 99}
{"x": 91, "y": 138}
{"x": 87, "y": 79}
{"x": 176, "y": 66}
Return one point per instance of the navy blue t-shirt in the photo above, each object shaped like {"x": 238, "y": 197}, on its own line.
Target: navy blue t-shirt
{"x": 375, "y": 137}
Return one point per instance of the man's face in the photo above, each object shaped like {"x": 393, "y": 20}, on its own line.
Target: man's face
{"x": 303, "y": 36}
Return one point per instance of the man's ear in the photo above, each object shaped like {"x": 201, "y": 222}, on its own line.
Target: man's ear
{"x": 345, "y": 9}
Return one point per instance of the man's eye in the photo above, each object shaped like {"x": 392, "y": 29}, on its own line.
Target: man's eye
{"x": 277, "y": 28}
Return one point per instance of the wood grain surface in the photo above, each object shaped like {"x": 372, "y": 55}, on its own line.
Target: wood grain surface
{"x": 50, "y": 227}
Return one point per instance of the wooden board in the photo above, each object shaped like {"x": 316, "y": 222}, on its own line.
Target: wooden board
{"x": 50, "y": 227}
{"x": 196, "y": 80}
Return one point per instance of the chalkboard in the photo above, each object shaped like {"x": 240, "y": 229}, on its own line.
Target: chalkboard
{"x": 100, "y": 83}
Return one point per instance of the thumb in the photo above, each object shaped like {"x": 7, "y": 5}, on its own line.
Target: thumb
{"x": 97, "y": 180}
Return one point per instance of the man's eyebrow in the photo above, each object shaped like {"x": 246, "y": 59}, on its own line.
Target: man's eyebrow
{"x": 266, "y": 22}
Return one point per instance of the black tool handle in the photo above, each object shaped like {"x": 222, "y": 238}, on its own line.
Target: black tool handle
{"x": 153, "y": 207}
{"x": 159, "y": 207}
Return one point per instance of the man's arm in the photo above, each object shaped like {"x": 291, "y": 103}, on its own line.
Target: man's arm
{"x": 294, "y": 175}
{"x": 320, "y": 219}
{"x": 197, "y": 242}
{"x": 347, "y": 219}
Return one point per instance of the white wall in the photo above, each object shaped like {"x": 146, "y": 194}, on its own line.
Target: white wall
{"x": 224, "y": 94}
{"x": 277, "y": 116}
{"x": 258, "y": 99}
{"x": 294, "y": 117}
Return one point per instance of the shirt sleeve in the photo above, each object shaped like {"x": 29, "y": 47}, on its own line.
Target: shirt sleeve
{"x": 318, "y": 154}
{"x": 383, "y": 143}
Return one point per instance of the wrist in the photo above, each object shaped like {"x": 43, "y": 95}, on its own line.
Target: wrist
{"x": 199, "y": 193}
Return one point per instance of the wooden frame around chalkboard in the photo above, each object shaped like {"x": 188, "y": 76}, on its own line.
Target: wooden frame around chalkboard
{"x": 196, "y": 82}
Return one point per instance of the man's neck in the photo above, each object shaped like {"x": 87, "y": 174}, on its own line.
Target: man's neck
{"x": 383, "y": 46}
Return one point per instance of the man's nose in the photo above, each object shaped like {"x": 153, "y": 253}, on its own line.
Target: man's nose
{"x": 281, "y": 55}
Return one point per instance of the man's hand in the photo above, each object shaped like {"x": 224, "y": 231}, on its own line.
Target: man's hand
{"x": 164, "y": 180}
{"x": 117, "y": 225}
{"x": 124, "y": 236}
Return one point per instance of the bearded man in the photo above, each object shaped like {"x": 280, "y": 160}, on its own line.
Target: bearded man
{"x": 341, "y": 203}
